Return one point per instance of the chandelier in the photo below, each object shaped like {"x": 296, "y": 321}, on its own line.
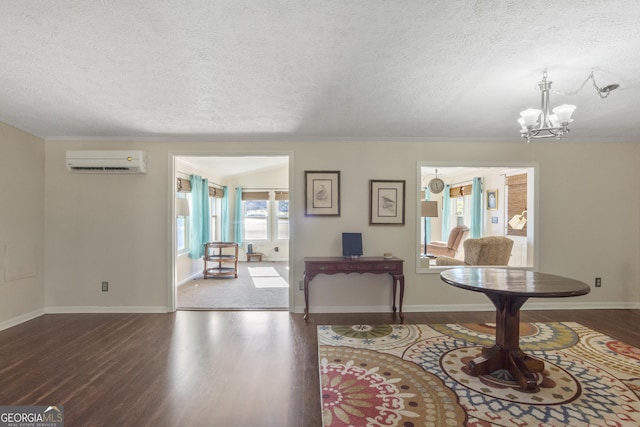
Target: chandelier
{"x": 540, "y": 123}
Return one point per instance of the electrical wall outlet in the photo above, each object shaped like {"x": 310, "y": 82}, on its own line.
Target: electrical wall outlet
{"x": 105, "y": 286}
{"x": 301, "y": 285}
{"x": 598, "y": 282}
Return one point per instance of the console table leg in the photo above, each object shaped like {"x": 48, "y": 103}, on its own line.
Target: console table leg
{"x": 401, "y": 281}
{"x": 306, "y": 279}
{"x": 394, "y": 286}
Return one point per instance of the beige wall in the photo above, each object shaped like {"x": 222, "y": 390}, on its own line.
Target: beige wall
{"x": 117, "y": 228}
{"x": 22, "y": 233}
{"x": 111, "y": 228}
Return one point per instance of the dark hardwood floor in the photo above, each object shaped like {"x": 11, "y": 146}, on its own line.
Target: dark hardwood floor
{"x": 198, "y": 368}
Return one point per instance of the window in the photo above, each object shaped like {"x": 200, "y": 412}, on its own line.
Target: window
{"x": 214, "y": 208}
{"x": 256, "y": 215}
{"x": 182, "y": 223}
{"x": 282, "y": 203}
{"x": 266, "y": 215}
{"x": 216, "y": 194}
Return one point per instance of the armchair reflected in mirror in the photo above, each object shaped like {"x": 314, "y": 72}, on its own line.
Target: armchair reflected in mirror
{"x": 490, "y": 250}
{"x": 450, "y": 247}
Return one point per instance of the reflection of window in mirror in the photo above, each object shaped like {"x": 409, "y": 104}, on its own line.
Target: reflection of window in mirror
{"x": 460, "y": 206}
{"x": 464, "y": 202}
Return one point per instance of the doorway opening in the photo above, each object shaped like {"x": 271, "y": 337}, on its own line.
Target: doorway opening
{"x": 240, "y": 214}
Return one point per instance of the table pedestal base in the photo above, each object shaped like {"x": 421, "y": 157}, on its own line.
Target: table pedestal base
{"x": 506, "y": 353}
{"x": 520, "y": 366}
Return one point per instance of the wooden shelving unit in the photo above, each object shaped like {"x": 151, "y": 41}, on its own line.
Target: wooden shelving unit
{"x": 220, "y": 259}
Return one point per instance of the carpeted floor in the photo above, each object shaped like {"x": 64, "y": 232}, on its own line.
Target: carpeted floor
{"x": 416, "y": 375}
{"x": 259, "y": 286}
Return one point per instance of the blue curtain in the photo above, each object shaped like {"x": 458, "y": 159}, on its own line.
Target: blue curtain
{"x": 427, "y": 220}
{"x": 239, "y": 217}
{"x": 200, "y": 231}
{"x": 224, "y": 216}
{"x": 476, "y": 209}
{"x": 446, "y": 212}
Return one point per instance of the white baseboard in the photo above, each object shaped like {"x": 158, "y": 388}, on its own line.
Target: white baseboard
{"x": 541, "y": 305}
{"x": 21, "y": 319}
{"x": 328, "y": 309}
{"x": 106, "y": 309}
{"x": 77, "y": 310}
{"x": 346, "y": 309}
{"x": 190, "y": 278}
{"x": 622, "y": 305}
{"x": 531, "y": 305}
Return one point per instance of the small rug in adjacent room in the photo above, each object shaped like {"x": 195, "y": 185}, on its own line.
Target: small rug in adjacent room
{"x": 263, "y": 272}
{"x": 267, "y": 277}
{"x": 270, "y": 282}
{"x": 416, "y": 375}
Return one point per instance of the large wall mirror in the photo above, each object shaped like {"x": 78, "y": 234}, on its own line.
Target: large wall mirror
{"x": 456, "y": 202}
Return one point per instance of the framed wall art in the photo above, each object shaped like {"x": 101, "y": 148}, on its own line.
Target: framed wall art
{"x": 386, "y": 202}
{"x": 322, "y": 193}
{"x": 492, "y": 200}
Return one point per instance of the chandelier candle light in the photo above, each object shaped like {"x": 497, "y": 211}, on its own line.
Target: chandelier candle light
{"x": 539, "y": 123}
{"x": 548, "y": 125}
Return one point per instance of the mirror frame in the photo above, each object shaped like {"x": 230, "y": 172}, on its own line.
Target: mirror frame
{"x": 532, "y": 214}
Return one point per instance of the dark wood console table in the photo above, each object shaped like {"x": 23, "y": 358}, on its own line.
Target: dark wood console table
{"x": 334, "y": 265}
{"x": 508, "y": 290}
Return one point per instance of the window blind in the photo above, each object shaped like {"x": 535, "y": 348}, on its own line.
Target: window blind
{"x": 282, "y": 195}
{"x": 184, "y": 186}
{"x": 517, "y": 201}
{"x": 460, "y": 191}
{"x": 216, "y": 192}
{"x": 255, "y": 195}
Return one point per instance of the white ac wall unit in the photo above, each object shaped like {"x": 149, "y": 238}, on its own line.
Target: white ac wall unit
{"x": 110, "y": 162}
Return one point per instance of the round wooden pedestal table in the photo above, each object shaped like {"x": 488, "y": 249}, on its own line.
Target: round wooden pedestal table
{"x": 508, "y": 290}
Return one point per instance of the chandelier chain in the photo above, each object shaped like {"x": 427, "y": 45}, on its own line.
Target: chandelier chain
{"x": 593, "y": 80}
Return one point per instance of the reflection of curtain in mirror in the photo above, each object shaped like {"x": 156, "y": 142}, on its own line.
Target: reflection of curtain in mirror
{"x": 446, "y": 214}
{"x": 475, "y": 231}
{"x": 224, "y": 216}
{"x": 427, "y": 220}
{"x": 237, "y": 234}
{"x": 200, "y": 216}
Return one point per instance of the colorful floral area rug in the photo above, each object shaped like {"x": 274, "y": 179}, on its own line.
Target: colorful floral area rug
{"x": 416, "y": 375}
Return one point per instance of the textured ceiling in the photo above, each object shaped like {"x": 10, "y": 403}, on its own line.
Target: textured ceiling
{"x": 314, "y": 69}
